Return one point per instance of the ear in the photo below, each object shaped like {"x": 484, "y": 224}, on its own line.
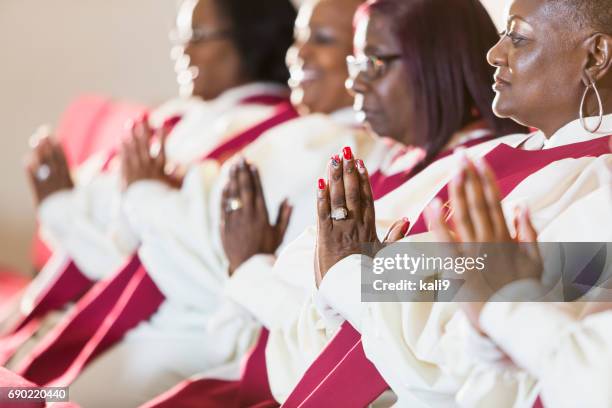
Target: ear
{"x": 599, "y": 48}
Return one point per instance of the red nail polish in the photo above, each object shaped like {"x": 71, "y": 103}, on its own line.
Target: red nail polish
{"x": 321, "y": 184}
{"x": 406, "y": 226}
{"x": 335, "y": 160}
{"x": 360, "y": 164}
{"x": 145, "y": 117}
{"x": 348, "y": 153}
{"x": 171, "y": 122}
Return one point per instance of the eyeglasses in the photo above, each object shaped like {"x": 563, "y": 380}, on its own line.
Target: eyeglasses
{"x": 197, "y": 36}
{"x": 373, "y": 67}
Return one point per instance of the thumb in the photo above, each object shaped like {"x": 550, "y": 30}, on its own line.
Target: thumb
{"x": 282, "y": 219}
{"x": 527, "y": 233}
{"x": 398, "y": 231}
{"x": 163, "y": 137}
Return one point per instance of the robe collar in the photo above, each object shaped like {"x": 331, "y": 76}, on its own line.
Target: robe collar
{"x": 572, "y": 132}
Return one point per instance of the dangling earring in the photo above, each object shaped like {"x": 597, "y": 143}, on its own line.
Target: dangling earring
{"x": 601, "y": 110}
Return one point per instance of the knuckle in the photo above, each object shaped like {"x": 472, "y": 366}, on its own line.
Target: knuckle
{"x": 353, "y": 196}
{"x": 338, "y": 202}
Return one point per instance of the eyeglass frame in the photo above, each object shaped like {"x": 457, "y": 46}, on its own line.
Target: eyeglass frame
{"x": 379, "y": 64}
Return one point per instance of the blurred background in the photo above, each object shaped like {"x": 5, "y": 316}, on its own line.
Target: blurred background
{"x": 53, "y": 51}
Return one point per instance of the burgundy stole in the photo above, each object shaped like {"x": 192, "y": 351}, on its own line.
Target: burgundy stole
{"x": 68, "y": 285}
{"x": 120, "y": 306}
{"x": 353, "y": 373}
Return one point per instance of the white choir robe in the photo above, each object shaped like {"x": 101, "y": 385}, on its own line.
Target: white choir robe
{"x": 297, "y": 339}
{"x": 198, "y": 327}
{"x": 87, "y": 223}
{"x": 411, "y": 344}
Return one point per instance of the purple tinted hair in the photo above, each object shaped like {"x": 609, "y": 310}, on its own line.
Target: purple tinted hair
{"x": 444, "y": 46}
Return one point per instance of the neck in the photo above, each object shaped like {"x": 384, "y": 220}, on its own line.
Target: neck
{"x": 591, "y": 109}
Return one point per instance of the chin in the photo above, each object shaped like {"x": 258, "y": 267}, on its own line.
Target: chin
{"x": 501, "y": 108}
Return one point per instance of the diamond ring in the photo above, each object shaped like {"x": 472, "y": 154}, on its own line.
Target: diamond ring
{"x": 233, "y": 204}
{"x": 43, "y": 172}
{"x": 339, "y": 214}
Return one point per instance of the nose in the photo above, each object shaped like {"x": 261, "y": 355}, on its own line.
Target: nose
{"x": 497, "y": 55}
{"x": 302, "y": 50}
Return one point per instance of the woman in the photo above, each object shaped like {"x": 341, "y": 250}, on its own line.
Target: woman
{"x": 569, "y": 354}
{"x": 560, "y": 174}
{"x": 238, "y": 87}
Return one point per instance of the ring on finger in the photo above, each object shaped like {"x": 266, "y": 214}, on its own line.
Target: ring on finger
{"x": 339, "y": 214}
{"x": 43, "y": 172}
{"x": 233, "y": 204}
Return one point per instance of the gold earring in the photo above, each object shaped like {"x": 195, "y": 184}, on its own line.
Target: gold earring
{"x": 601, "y": 110}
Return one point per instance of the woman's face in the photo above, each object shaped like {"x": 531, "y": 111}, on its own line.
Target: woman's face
{"x": 207, "y": 62}
{"x": 383, "y": 92}
{"x": 540, "y": 62}
{"x": 317, "y": 59}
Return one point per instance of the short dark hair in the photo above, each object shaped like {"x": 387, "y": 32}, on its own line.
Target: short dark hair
{"x": 262, "y": 31}
{"x": 444, "y": 46}
{"x": 596, "y": 14}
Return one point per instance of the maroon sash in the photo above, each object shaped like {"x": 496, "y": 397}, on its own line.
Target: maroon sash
{"x": 353, "y": 371}
{"x": 62, "y": 356}
{"x": 78, "y": 326}
{"x": 69, "y": 284}
{"x": 383, "y": 184}
{"x": 252, "y": 388}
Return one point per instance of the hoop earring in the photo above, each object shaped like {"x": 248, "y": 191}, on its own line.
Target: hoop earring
{"x": 601, "y": 110}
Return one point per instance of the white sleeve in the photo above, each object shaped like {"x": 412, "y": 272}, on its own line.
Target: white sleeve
{"x": 178, "y": 230}
{"x": 255, "y": 286}
{"x": 570, "y": 357}
{"x": 86, "y": 223}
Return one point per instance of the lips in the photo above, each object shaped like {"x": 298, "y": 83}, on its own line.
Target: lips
{"x": 300, "y": 75}
{"x": 500, "y": 83}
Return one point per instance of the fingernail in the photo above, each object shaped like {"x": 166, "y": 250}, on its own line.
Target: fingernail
{"x": 459, "y": 177}
{"x": 526, "y": 213}
{"x": 435, "y": 207}
{"x": 171, "y": 122}
{"x": 129, "y": 125}
{"x": 335, "y": 161}
{"x": 145, "y": 117}
{"x": 348, "y": 153}
{"x": 321, "y": 184}
{"x": 360, "y": 166}
{"x": 406, "y": 226}
{"x": 481, "y": 165}
{"x": 461, "y": 156}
